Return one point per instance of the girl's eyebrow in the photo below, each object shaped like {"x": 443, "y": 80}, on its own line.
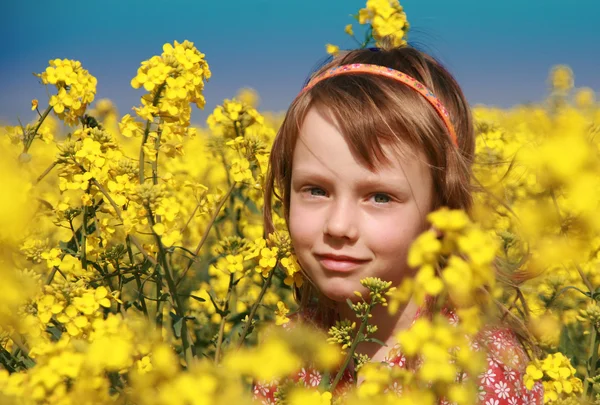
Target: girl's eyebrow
{"x": 306, "y": 174}
{"x": 396, "y": 182}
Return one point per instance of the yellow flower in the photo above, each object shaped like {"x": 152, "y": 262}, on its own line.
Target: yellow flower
{"x": 65, "y": 74}
{"x": 240, "y": 170}
{"x": 400, "y": 295}
{"x": 91, "y": 151}
{"x": 561, "y": 78}
{"x": 274, "y": 356}
{"x": 458, "y": 277}
{"x": 248, "y": 96}
{"x": 234, "y": 263}
{"x": 111, "y": 353}
{"x": 294, "y": 276}
{"x": 47, "y": 306}
{"x": 387, "y": 19}
{"x": 52, "y": 257}
{"x": 129, "y": 127}
{"x": 413, "y": 338}
{"x": 449, "y": 220}
{"x": 585, "y": 98}
{"x": 348, "y": 29}
{"x": 332, "y": 49}
{"x": 71, "y": 265}
{"x": 176, "y": 88}
{"x": 280, "y": 313}
{"x": 268, "y": 260}
{"x": 427, "y": 283}
{"x": 303, "y": 396}
{"x": 34, "y": 104}
{"x": 424, "y": 250}
{"x": 376, "y": 379}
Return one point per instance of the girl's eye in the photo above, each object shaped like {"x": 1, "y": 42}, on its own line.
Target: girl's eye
{"x": 316, "y": 191}
{"x": 382, "y": 198}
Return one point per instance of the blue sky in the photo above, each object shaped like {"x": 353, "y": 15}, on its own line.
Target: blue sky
{"x": 500, "y": 52}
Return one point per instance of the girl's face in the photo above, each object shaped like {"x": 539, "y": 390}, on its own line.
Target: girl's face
{"x": 348, "y": 222}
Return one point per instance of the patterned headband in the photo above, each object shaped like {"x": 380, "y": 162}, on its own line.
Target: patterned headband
{"x": 392, "y": 74}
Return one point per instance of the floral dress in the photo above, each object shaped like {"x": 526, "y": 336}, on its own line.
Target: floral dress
{"x": 500, "y": 384}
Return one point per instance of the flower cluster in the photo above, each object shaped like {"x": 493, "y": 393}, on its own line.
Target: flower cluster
{"x": 557, "y": 375}
{"x": 179, "y": 73}
{"x": 454, "y": 257}
{"x": 76, "y": 88}
{"x": 385, "y": 20}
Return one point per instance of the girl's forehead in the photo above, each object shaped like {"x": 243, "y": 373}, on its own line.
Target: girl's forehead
{"x": 340, "y": 167}
{"x": 320, "y": 142}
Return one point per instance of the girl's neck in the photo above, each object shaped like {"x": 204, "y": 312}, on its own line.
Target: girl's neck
{"x": 387, "y": 327}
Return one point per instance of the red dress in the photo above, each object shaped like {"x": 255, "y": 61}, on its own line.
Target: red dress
{"x": 501, "y": 383}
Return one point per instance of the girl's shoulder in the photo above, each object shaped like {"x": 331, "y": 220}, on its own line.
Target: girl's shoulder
{"x": 503, "y": 346}
{"x": 502, "y": 382}
{"x": 499, "y": 341}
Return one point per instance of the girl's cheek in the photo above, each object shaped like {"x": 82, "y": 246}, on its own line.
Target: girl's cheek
{"x": 391, "y": 235}
{"x": 304, "y": 224}
{"x": 297, "y": 223}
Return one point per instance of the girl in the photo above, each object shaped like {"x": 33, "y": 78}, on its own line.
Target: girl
{"x": 376, "y": 140}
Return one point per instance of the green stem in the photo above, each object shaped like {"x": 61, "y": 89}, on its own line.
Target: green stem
{"x": 74, "y": 234}
{"x": 206, "y": 231}
{"x": 357, "y": 339}
{"x": 8, "y": 361}
{"x": 51, "y": 275}
{"x": 224, "y": 314}
{"x": 155, "y": 162}
{"x": 27, "y": 141}
{"x": 147, "y": 132}
{"x": 264, "y": 289}
{"x": 83, "y": 247}
{"x": 191, "y": 216}
{"x": 134, "y": 240}
{"x": 119, "y": 282}
{"x": 585, "y": 280}
{"x": 591, "y": 370}
{"x": 19, "y": 343}
{"x": 48, "y": 170}
{"x": 158, "y": 315}
{"x": 172, "y": 289}
{"x": 136, "y": 274}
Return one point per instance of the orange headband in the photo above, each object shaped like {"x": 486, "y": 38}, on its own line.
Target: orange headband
{"x": 392, "y": 74}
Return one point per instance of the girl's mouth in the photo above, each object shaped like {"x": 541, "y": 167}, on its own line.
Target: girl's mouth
{"x": 340, "y": 263}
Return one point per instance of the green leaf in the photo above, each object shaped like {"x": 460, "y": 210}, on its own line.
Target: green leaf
{"x": 68, "y": 247}
{"x": 54, "y": 331}
{"x": 197, "y": 298}
{"x": 146, "y": 266}
{"x": 375, "y": 341}
{"x": 98, "y": 268}
{"x": 177, "y": 324}
{"x": 325, "y": 383}
{"x": 27, "y": 362}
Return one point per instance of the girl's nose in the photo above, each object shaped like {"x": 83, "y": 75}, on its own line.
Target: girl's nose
{"x": 341, "y": 221}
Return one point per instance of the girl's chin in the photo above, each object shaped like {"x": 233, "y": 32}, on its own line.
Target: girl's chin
{"x": 340, "y": 293}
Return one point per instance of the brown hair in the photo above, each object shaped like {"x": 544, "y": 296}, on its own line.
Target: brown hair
{"x": 372, "y": 111}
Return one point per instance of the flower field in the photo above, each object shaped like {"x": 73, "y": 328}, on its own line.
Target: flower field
{"x": 135, "y": 270}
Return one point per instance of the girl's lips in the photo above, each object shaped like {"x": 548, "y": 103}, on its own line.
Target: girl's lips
{"x": 341, "y": 264}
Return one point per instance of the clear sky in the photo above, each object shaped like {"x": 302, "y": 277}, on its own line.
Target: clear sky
{"x": 500, "y": 51}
